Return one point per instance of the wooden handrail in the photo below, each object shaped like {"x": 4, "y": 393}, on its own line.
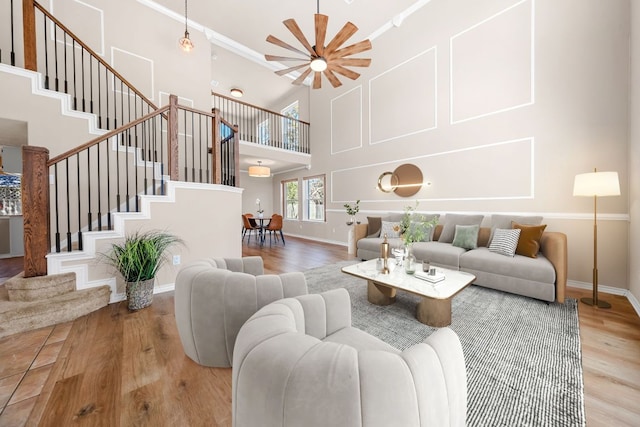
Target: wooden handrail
{"x": 257, "y": 108}
{"x": 79, "y": 42}
{"x": 104, "y": 137}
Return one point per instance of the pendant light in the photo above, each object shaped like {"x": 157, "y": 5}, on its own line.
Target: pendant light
{"x": 185, "y": 42}
{"x": 259, "y": 171}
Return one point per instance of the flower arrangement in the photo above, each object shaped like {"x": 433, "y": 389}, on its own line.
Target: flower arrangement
{"x": 260, "y": 210}
{"x": 414, "y": 227}
{"x": 352, "y": 210}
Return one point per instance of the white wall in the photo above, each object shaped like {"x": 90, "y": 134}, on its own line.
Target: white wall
{"x": 634, "y": 155}
{"x": 500, "y": 103}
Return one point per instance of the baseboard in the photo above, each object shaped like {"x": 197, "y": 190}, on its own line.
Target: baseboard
{"x": 316, "y": 239}
{"x": 611, "y": 290}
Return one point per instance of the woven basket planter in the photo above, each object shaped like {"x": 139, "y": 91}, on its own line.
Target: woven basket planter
{"x": 140, "y": 294}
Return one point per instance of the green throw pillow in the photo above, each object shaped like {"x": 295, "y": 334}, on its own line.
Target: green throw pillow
{"x": 466, "y": 236}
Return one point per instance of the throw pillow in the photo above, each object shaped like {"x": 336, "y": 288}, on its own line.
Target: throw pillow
{"x": 450, "y": 222}
{"x": 504, "y": 221}
{"x": 375, "y": 223}
{"x": 391, "y": 229}
{"x": 529, "y": 241}
{"x": 466, "y": 236}
{"x": 505, "y": 241}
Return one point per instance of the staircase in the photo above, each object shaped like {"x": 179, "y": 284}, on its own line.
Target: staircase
{"x": 141, "y": 155}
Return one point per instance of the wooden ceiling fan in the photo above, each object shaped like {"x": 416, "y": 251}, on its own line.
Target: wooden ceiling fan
{"x": 321, "y": 59}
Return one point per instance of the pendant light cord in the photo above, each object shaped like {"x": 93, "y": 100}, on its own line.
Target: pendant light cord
{"x": 185, "y": 15}
{"x": 318, "y": 1}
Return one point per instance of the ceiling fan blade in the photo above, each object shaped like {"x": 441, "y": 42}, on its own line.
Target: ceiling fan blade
{"x": 317, "y": 83}
{"x": 343, "y": 35}
{"x": 344, "y": 71}
{"x": 321, "y": 32}
{"x": 353, "y": 62}
{"x": 290, "y": 69}
{"x": 278, "y": 42}
{"x": 332, "y": 78}
{"x": 297, "y": 33}
{"x": 351, "y": 50}
{"x": 302, "y": 76}
{"x": 283, "y": 58}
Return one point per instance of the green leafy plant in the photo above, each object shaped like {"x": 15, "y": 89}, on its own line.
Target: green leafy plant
{"x": 141, "y": 255}
{"x": 414, "y": 227}
{"x": 352, "y": 210}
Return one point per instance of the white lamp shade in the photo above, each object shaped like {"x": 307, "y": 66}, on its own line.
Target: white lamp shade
{"x": 259, "y": 171}
{"x": 596, "y": 184}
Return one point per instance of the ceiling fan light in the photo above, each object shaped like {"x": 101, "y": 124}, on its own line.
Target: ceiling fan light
{"x": 318, "y": 64}
{"x": 185, "y": 42}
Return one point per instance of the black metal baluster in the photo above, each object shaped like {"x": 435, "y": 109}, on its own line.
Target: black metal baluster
{"x": 82, "y": 65}
{"x": 145, "y": 135}
{"x": 69, "y": 248}
{"x": 89, "y": 214}
{"x": 91, "y": 85}
{"x": 127, "y": 163}
{"x": 108, "y": 155}
{"x": 57, "y": 210}
{"x": 153, "y": 149}
{"x": 193, "y": 150}
{"x": 79, "y": 202}
{"x": 208, "y": 145}
{"x": 99, "y": 99}
{"x": 13, "y": 53}
{"x": 46, "y": 56}
{"x": 75, "y": 90}
{"x": 66, "y": 83}
{"x": 200, "y": 145}
{"x": 99, "y": 179}
{"x": 55, "y": 52}
{"x": 106, "y": 93}
{"x": 162, "y": 145}
{"x": 186, "y": 151}
{"x": 118, "y": 173}
{"x": 135, "y": 169}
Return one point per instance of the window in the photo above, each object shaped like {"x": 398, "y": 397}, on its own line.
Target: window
{"x": 314, "y": 198}
{"x": 290, "y": 199}
{"x": 290, "y": 127}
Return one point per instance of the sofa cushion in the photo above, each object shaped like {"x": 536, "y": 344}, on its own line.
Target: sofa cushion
{"x": 504, "y": 221}
{"x": 372, "y": 244}
{"x": 537, "y": 269}
{"x": 450, "y": 222}
{"x": 466, "y": 236}
{"x": 375, "y": 223}
{"x": 504, "y": 241}
{"x": 390, "y": 229}
{"x": 441, "y": 254}
{"x": 529, "y": 241}
{"x": 360, "y": 340}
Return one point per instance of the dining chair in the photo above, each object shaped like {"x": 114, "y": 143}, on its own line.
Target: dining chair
{"x": 249, "y": 225}
{"x": 243, "y": 223}
{"x": 275, "y": 226}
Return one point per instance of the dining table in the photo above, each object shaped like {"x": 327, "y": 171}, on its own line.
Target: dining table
{"x": 261, "y": 224}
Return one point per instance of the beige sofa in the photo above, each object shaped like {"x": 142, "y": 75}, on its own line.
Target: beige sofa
{"x": 543, "y": 277}
{"x": 299, "y": 362}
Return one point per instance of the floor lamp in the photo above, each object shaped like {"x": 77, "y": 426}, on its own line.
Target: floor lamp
{"x": 596, "y": 184}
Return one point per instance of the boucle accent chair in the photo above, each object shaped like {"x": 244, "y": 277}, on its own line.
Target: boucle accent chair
{"x": 214, "y": 297}
{"x": 299, "y": 362}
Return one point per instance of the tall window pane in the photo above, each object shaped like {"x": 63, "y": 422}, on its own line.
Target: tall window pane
{"x": 290, "y": 199}
{"x": 314, "y": 198}
{"x": 290, "y": 127}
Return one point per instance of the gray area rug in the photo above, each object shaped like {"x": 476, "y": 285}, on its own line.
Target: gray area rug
{"x": 522, "y": 355}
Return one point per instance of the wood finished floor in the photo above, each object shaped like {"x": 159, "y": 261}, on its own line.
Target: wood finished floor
{"x": 118, "y": 368}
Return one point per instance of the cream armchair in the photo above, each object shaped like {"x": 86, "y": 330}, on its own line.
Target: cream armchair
{"x": 299, "y": 362}
{"x": 214, "y": 297}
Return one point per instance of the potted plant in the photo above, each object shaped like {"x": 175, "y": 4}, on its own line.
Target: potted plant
{"x": 352, "y": 211}
{"x": 138, "y": 259}
{"x": 413, "y": 228}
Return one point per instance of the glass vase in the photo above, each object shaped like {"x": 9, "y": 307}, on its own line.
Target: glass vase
{"x": 409, "y": 261}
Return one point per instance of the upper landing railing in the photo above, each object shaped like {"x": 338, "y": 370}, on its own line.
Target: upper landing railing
{"x": 44, "y": 44}
{"x": 262, "y": 126}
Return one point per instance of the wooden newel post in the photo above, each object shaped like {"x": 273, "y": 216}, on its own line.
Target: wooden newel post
{"x": 29, "y": 35}
{"x": 216, "y": 154}
{"x": 172, "y": 131}
{"x": 35, "y": 210}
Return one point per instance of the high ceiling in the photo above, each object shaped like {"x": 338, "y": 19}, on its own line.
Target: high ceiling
{"x": 249, "y": 22}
